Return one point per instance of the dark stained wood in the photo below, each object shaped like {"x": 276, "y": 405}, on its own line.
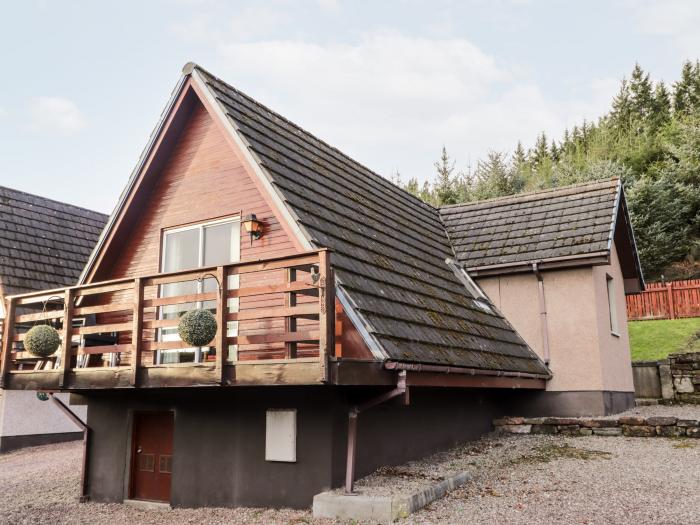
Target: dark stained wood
{"x": 66, "y": 333}
{"x": 7, "y": 337}
{"x": 137, "y": 327}
{"x": 221, "y": 346}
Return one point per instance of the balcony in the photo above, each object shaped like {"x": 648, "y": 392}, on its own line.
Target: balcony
{"x": 275, "y": 325}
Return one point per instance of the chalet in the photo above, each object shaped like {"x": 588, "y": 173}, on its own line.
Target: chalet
{"x": 570, "y": 253}
{"x": 43, "y": 244}
{"x": 348, "y": 333}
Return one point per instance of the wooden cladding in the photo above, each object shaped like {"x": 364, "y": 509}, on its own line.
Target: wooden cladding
{"x": 120, "y": 324}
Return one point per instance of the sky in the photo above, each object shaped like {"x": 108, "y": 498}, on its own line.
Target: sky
{"x": 387, "y": 82}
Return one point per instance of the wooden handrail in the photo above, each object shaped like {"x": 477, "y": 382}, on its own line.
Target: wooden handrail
{"x": 309, "y": 321}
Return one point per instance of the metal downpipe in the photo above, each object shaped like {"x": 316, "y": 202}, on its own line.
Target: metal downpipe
{"x": 400, "y": 390}
{"x": 543, "y": 313}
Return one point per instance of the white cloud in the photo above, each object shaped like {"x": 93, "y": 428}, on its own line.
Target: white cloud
{"x": 391, "y": 100}
{"x": 678, "y": 20}
{"x": 56, "y": 114}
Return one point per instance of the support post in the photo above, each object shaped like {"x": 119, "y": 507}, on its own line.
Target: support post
{"x": 66, "y": 338}
{"x": 671, "y": 308}
{"x": 136, "y": 331}
{"x": 401, "y": 389}
{"x": 326, "y": 317}
{"x": 290, "y": 300}
{"x": 8, "y": 332}
{"x": 86, "y": 444}
{"x": 221, "y": 301}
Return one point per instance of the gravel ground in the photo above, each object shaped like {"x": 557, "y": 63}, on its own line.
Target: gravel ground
{"x": 517, "y": 479}
{"x": 679, "y": 411}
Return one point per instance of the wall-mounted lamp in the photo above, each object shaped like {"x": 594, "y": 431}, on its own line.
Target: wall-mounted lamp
{"x": 253, "y": 227}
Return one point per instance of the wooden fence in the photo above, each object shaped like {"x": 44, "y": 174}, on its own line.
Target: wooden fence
{"x": 670, "y": 300}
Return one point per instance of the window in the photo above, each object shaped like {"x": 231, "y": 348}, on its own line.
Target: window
{"x": 196, "y": 246}
{"x": 281, "y": 435}
{"x": 611, "y": 305}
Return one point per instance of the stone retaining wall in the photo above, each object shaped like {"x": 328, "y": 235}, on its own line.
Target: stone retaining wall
{"x": 685, "y": 373}
{"x": 631, "y": 426}
{"x": 673, "y": 380}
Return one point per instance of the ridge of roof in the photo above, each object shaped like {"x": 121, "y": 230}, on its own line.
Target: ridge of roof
{"x": 191, "y": 66}
{"x": 52, "y": 201}
{"x": 560, "y": 191}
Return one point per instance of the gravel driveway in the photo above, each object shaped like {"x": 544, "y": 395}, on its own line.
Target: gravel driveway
{"x": 517, "y": 479}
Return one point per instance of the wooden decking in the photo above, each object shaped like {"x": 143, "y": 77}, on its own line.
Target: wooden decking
{"x": 275, "y": 326}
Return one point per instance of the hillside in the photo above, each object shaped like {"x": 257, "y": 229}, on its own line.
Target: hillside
{"x": 650, "y": 138}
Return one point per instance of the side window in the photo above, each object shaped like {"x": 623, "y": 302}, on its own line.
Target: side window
{"x": 611, "y": 304}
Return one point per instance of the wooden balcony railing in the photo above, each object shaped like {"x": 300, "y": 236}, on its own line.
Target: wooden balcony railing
{"x": 275, "y": 325}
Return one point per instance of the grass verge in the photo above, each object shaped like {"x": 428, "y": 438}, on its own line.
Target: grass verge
{"x": 654, "y": 340}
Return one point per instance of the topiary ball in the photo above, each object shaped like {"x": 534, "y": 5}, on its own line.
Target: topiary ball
{"x": 197, "y": 327}
{"x": 41, "y": 340}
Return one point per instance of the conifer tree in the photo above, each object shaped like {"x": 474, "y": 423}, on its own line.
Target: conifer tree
{"x": 685, "y": 90}
{"x": 445, "y": 190}
{"x": 641, "y": 96}
{"x": 662, "y": 105}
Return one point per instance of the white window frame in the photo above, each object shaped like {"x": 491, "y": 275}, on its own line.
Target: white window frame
{"x": 612, "y": 307}
{"x": 233, "y": 283}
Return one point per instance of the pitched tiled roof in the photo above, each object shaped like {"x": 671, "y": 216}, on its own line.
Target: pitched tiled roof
{"x": 389, "y": 248}
{"x": 43, "y": 243}
{"x": 560, "y": 223}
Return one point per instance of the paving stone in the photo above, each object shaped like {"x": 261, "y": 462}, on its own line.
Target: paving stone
{"x": 568, "y": 430}
{"x": 610, "y": 431}
{"x": 632, "y": 420}
{"x": 515, "y": 429}
{"x": 561, "y": 421}
{"x": 672, "y": 431}
{"x": 688, "y": 423}
{"x": 585, "y": 431}
{"x": 598, "y": 423}
{"x": 683, "y": 385}
{"x": 638, "y": 431}
{"x": 661, "y": 421}
{"x": 544, "y": 429}
{"x": 693, "y": 432}
{"x": 509, "y": 421}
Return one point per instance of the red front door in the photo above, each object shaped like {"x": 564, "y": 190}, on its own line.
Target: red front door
{"x": 152, "y": 453}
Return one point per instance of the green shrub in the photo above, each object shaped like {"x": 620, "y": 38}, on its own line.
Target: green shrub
{"x": 197, "y": 327}
{"x": 42, "y": 340}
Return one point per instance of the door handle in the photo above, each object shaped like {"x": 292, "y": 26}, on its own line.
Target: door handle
{"x": 139, "y": 450}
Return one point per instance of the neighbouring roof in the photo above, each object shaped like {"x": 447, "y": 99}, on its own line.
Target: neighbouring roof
{"x": 389, "y": 248}
{"x": 574, "y": 223}
{"x": 43, "y": 243}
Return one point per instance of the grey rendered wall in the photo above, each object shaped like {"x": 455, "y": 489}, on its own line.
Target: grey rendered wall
{"x": 219, "y": 447}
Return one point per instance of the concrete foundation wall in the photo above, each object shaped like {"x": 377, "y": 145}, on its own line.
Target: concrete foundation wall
{"x": 219, "y": 440}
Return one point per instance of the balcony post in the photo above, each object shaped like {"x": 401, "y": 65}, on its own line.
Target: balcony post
{"x": 220, "y": 341}
{"x": 136, "y": 331}
{"x": 8, "y": 331}
{"x": 66, "y": 338}
{"x": 326, "y": 317}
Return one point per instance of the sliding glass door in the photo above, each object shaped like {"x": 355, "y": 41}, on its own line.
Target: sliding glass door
{"x": 202, "y": 245}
